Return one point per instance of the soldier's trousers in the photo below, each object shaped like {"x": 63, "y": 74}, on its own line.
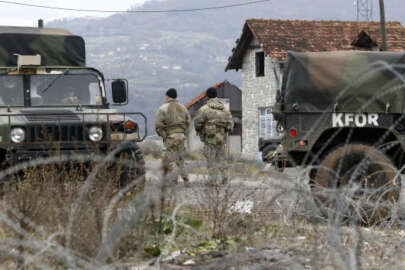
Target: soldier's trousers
{"x": 216, "y": 160}
{"x": 173, "y": 156}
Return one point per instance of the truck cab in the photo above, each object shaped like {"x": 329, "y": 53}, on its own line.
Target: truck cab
{"x": 51, "y": 103}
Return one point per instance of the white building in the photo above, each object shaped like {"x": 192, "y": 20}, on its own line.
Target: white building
{"x": 260, "y": 53}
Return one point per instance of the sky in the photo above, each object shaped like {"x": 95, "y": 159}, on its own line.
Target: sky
{"x": 28, "y": 16}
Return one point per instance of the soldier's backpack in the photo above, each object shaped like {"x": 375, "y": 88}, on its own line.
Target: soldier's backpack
{"x": 215, "y": 130}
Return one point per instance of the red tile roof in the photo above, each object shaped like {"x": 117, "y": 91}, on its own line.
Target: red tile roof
{"x": 276, "y": 37}
{"x": 201, "y": 96}
{"x": 195, "y": 100}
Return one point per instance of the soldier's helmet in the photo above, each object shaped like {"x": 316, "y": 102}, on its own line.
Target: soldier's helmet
{"x": 211, "y": 92}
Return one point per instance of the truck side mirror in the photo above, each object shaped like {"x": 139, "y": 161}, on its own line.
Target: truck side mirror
{"x": 119, "y": 91}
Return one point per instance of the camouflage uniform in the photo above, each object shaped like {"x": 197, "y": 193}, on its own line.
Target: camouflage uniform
{"x": 172, "y": 121}
{"x": 213, "y": 124}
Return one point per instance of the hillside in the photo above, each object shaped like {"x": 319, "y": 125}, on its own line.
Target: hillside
{"x": 189, "y": 51}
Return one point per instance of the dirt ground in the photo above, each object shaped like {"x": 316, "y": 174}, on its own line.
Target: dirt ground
{"x": 259, "y": 219}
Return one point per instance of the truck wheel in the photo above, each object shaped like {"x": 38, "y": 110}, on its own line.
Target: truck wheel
{"x": 371, "y": 174}
{"x": 131, "y": 165}
{"x": 266, "y": 153}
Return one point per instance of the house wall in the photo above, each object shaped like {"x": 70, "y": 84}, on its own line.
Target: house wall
{"x": 256, "y": 92}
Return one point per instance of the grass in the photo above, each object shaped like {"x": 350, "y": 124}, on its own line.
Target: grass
{"x": 194, "y": 223}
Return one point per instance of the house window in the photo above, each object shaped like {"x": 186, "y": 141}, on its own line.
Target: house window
{"x": 259, "y": 64}
{"x": 267, "y": 124}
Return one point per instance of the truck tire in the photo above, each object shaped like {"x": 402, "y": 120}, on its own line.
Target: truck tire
{"x": 265, "y": 153}
{"x": 365, "y": 166}
{"x": 132, "y": 166}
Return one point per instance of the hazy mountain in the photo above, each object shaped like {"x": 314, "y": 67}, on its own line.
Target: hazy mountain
{"x": 188, "y": 51}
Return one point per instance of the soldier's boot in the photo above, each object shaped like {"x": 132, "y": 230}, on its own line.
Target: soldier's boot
{"x": 212, "y": 180}
{"x": 186, "y": 180}
{"x": 224, "y": 175}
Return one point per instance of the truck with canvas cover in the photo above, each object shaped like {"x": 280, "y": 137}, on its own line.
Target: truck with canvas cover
{"x": 52, "y": 104}
{"x": 342, "y": 114}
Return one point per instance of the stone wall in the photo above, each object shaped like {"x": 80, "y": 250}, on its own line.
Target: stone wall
{"x": 256, "y": 92}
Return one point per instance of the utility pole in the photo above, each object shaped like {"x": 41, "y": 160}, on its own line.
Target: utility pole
{"x": 383, "y": 29}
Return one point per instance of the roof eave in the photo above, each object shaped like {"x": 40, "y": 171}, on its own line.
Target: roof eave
{"x": 236, "y": 59}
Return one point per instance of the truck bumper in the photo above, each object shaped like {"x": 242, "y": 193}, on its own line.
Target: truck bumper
{"x": 24, "y": 155}
{"x": 31, "y": 152}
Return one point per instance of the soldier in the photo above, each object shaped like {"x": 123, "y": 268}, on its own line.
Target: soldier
{"x": 213, "y": 124}
{"x": 172, "y": 122}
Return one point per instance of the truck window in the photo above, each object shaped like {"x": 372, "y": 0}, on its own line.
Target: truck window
{"x": 70, "y": 89}
{"x": 95, "y": 94}
{"x": 11, "y": 90}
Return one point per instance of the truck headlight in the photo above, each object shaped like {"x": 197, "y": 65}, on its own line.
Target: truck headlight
{"x": 95, "y": 134}
{"x": 17, "y": 135}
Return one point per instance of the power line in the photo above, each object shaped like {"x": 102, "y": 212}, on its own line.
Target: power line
{"x": 134, "y": 11}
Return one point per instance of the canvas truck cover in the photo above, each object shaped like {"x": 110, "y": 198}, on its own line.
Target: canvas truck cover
{"x": 57, "y": 47}
{"x": 344, "y": 81}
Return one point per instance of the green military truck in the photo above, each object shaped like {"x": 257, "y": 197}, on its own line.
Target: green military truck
{"x": 51, "y": 103}
{"x": 343, "y": 114}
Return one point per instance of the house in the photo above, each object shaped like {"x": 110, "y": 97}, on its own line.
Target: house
{"x": 231, "y": 96}
{"x": 261, "y": 50}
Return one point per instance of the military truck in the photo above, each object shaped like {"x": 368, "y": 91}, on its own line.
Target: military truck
{"x": 342, "y": 114}
{"x": 51, "y": 103}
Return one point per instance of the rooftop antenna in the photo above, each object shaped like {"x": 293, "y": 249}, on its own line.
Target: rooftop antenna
{"x": 364, "y": 10}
